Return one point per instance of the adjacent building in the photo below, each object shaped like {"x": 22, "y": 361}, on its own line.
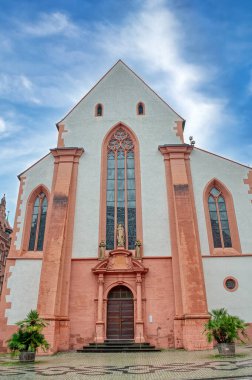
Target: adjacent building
{"x": 5, "y": 240}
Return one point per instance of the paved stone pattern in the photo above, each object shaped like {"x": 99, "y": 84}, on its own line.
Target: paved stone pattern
{"x": 168, "y": 364}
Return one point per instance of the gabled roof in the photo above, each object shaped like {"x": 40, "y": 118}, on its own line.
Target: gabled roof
{"x": 120, "y": 62}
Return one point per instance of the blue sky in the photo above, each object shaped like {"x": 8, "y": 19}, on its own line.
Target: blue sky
{"x": 196, "y": 54}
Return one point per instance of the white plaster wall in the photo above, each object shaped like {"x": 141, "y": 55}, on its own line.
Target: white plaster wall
{"x": 119, "y": 92}
{"x": 39, "y": 174}
{"x": 206, "y": 166}
{"x": 216, "y": 269}
{"x": 24, "y": 287}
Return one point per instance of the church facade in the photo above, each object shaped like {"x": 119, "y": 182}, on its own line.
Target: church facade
{"x": 124, "y": 231}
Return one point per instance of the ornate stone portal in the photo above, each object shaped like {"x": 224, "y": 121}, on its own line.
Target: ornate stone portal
{"x": 120, "y": 268}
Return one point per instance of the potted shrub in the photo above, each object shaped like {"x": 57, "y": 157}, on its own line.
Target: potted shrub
{"x": 225, "y": 329}
{"x": 28, "y": 337}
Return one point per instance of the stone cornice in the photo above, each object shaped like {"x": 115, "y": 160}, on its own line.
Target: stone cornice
{"x": 170, "y": 151}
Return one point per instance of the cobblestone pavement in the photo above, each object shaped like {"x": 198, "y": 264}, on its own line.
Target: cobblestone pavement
{"x": 168, "y": 364}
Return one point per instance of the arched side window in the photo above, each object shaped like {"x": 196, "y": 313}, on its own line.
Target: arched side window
{"x": 38, "y": 221}
{"x": 140, "y": 108}
{"x": 99, "y": 110}
{"x": 121, "y": 189}
{"x": 221, "y": 221}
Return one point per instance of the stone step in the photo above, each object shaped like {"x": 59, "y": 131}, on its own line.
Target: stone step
{"x": 122, "y": 349}
{"x": 94, "y": 346}
{"x": 118, "y": 346}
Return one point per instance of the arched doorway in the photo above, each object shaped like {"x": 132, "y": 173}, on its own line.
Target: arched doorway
{"x": 120, "y": 313}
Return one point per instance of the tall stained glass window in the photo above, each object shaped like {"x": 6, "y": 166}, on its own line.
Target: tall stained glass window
{"x": 38, "y": 223}
{"x": 219, "y": 219}
{"x": 121, "y": 189}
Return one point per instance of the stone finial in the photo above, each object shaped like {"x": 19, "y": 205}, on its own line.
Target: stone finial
{"x": 3, "y": 207}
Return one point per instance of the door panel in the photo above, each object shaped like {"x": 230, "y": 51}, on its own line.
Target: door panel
{"x": 120, "y": 314}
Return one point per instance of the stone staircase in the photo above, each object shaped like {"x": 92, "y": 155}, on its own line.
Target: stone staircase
{"x": 119, "y": 346}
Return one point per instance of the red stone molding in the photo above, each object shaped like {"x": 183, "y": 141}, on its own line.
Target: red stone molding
{"x": 189, "y": 286}
{"x": 61, "y": 143}
{"x": 179, "y": 130}
{"x": 5, "y": 329}
{"x": 248, "y": 181}
{"x": 16, "y": 228}
{"x": 55, "y": 274}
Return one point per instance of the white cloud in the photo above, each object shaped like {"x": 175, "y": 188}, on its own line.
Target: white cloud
{"x": 49, "y": 24}
{"x": 17, "y": 87}
{"x": 2, "y": 125}
{"x": 154, "y": 38}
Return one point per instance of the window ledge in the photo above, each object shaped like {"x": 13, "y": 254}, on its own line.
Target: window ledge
{"x": 225, "y": 252}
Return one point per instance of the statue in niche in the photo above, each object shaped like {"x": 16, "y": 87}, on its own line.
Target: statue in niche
{"x": 120, "y": 235}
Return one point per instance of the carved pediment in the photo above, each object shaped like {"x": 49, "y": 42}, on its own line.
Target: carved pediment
{"x": 119, "y": 260}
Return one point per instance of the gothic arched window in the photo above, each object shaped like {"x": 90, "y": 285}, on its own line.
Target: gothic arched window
{"x": 219, "y": 219}
{"x": 121, "y": 189}
{"x": 98, "y": 110}
{"x": 38, "y": 222}
{"x": 140, "y": 109}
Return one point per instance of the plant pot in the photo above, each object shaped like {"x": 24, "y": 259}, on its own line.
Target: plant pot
{"x": 226, "y": 349}
{"x": 26, "y": 356}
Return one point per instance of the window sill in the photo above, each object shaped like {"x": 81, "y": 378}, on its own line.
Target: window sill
{"x": 225, "y": 252}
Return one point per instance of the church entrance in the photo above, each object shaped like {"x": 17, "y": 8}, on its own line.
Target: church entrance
{"x": 120, "y": 313}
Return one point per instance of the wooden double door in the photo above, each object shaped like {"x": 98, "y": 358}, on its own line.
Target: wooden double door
{"x": 120, "y": 314}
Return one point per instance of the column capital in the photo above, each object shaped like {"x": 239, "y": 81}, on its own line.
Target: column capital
{"x": 170, "y": 151}
{"x": 69, "y": 154}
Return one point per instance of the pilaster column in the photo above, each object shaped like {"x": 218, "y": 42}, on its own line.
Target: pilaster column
{"x": 99, "y": 328}
{"x": 188, "y": 278}
{"x": 139, "y": 333}
{"x": 55, "y": 274}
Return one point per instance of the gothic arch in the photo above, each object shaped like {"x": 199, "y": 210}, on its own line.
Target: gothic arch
{"x": 236, "y": 246}
{"x": 29, "y": 210}
{"x": 108, "y": 136}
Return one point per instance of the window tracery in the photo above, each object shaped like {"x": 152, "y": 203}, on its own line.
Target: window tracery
{"x": 121, "y": 189}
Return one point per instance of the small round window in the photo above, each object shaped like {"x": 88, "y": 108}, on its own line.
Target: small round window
{"x": 230, "y": 284}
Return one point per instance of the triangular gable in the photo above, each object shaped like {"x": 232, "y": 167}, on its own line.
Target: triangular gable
{"x": 119, "y": 62}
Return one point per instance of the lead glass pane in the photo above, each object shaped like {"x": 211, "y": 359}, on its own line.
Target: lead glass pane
{"x": 110, "y": 223}
{"x": 224, "y": 223}
{"x": 34, "y": 224}
{"x": 111, "y": 174}
{"x": 131, "y": 195}
{"x": 42, "y": 225}
{"x": 214, "y": 222}
{"x": 215, "y": 192}
{"x": 110, "y": 211}
{"x": 130, "y": 173}
{"x": 120, "y": 173}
